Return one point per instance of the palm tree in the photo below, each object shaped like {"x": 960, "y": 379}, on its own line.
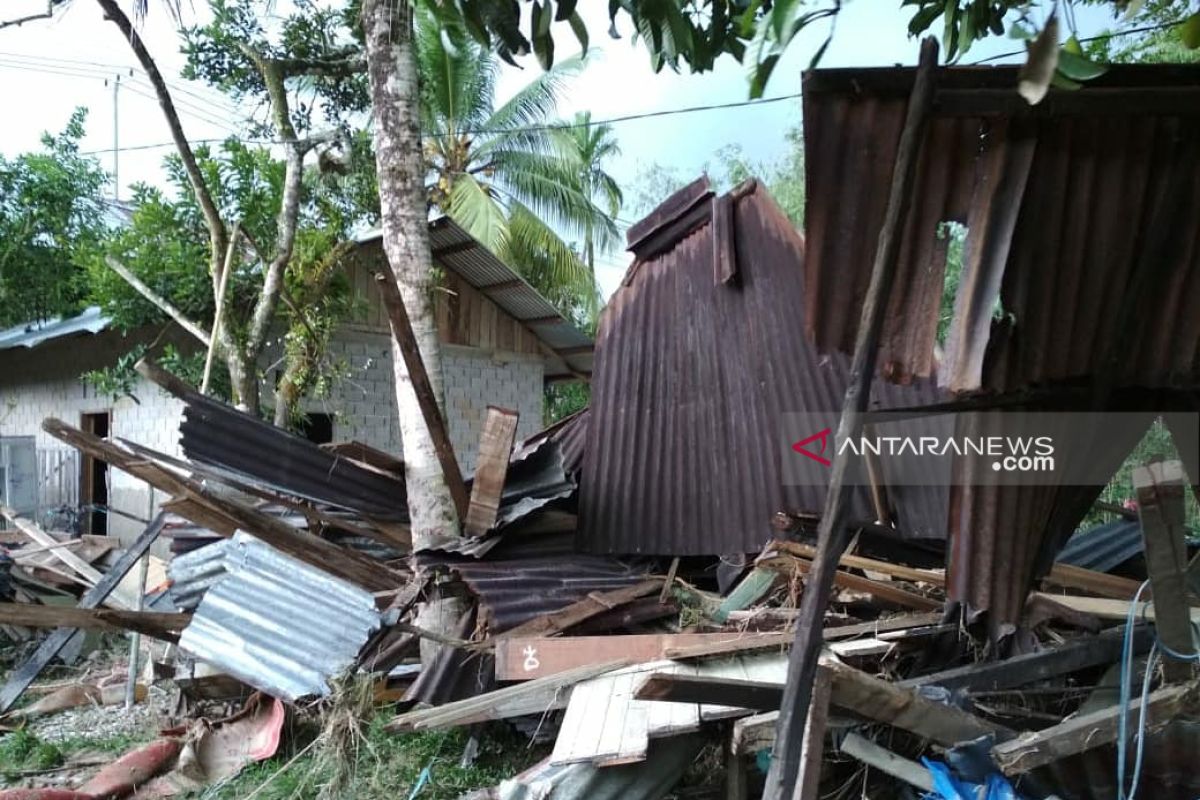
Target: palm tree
{"x": 591, "y": 146}
{"x": 502, "y": 173}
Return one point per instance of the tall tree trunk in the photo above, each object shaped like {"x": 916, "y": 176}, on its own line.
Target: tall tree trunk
{"x": 392, "y": 71}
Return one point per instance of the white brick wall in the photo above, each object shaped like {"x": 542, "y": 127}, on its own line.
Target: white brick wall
{"x": 44, "y": 382}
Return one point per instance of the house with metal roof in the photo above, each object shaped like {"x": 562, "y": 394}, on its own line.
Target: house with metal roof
{"x": 502, "y": 342}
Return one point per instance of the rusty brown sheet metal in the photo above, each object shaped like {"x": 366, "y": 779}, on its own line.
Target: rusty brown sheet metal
{"x": 693, "y": 375}
{"x": 1062, "y": 204}
{"x": 1058, "y": 200}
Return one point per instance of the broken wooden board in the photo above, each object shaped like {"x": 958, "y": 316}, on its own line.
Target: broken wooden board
{"x": 1107, "y": 608}
{"x": 25, "y": 674}
{"x": 881, "y": 590}
{"x": 1068, "y": 576}
{"x": 606, "y": 724}
{"x": 532, "y": 697}
{"x": 593, "y": 605}
{"x": 491, "y": 467}
{"x": 159, "y": 625}
{"x": 525, "y": 658}
{"x": 886, "y": 761}
{"x": 681, "y": 687}
{"x": 1084, "y": 652}
{"x": 1087, "y": 731}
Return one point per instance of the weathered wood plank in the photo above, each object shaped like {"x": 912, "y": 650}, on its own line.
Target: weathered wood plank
{"x": 1086, "y": 731}
{"x": 684, "y": 688}
{"x": 160, "y": 625}
{"x": 886, "y": 761}
{"x": 1160, "y": 492}
{"x": 591, "y": 606}
{"x": 491, "y": 468}
{"x": 25, "y": 674}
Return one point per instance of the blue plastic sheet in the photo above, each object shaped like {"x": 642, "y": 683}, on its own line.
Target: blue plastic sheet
{"x": 948, "y": 787}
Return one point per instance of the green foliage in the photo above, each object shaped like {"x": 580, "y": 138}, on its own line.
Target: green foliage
{"x": 561, "y": 400}
{"x": 22, "y": 751}
{"x": 52, "y": 222}
{"x": 1169, "y": 42}
{"x": 506, "y": 174}
{"x": 391, "y": 765}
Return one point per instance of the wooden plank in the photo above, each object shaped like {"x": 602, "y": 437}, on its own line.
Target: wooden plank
{"x": 832, "y": 533}
{"x": 524, "y": 658}
{"x": 435, "y": 422}
{"x": 25, "y": 674}
{"x": 932, "y": 577}
{"x": 160, "y": 625}
{"x": 90, "y": 575}
{"x": 591, "y": 606}
{"x": 495, "y": 446}
{"x": 1160, "y": 492}
{"x": 1086, "y": 731}
{"x": 886, "y": 761}
{"x": 683, "y": 688}
{"x": 782, "y": 639}
{"x": 1085, "y": 652}
{"x": 1068, "y": 576}
{"x": 812, "y": 749}
{"x": 902, "y": 707}
{"x": 878, "y": 589}
{"x": 531, "y": 697}
{"x": 1107, "y": 608}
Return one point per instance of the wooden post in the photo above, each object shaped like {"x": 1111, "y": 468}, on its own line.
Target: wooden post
{"x": 217, "y": 314}
{"x": 1160, "y": 490}
{"x": 407, "y": 341}
{"x": 491, "y": 467}
{"x": 832, "y": 533}
{"x": 812, "y": 746}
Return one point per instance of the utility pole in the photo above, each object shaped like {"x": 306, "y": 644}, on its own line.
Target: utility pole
{"x": 116, "y": 150}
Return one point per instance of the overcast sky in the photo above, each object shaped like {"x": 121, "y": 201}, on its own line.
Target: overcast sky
{"x": 47, "y": 68}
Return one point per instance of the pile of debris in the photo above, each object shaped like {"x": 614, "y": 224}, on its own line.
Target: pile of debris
{"x": 878, "y": 640}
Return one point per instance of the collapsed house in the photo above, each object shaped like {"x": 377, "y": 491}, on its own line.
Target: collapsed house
{"x": 635, "y": 574}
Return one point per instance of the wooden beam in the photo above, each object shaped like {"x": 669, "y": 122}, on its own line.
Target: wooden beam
{"x": 886, "y": 761}
{"x": 1082, "y": 653}
{"x": 672, "y": 687}
{"x": 26, "y": 673}
{"x": 878, "y": 589}
{"x": 301, "y": 545}
{"x": 1107, "y": 608}
{"x": 812, "y": 749}
{"x": 747, "y": 644}
{"x": 158, "y": 301}
{"x": 1069, "y": 576}
{"x": 495, "y": 447}
{"x": 932, "y": 577}
{"x": 160, "y": 625}
{"x": 832, "y": 534}
{"x": 902, "y": 707}
{"x": 406, "y": 342}
{"x": 591, "y": 606}
{"x": 526, "y": 658}
{"x": 1087, "y": 731}
{"x": 1160, "y": 493}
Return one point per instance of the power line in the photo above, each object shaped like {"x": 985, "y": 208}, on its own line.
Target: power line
{"x": 1098, "y": 37}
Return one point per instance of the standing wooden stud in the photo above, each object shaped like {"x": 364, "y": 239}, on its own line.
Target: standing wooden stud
{"x": 491, "y": 468}
{"x": 1160, "y": 489}
{"x": 407, "y": 342}
{"x": 832, "y": 535}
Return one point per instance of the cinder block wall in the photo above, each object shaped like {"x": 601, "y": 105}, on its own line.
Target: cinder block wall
{"x": 44, "y": 382}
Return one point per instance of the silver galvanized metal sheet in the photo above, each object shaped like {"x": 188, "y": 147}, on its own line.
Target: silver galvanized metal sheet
{"x": 90, "y": 320}
{"x": 277, "y": 624}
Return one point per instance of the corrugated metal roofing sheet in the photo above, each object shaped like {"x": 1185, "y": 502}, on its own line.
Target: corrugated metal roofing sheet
{"x": 1062, "y": 202}
{"x": 194, "y": 573}
{"x": 90, "y": 320}
{"x": 457, "y": 250}
{"x": 1104, "y": 547}
{"x": 693, "y": 377}
{"x": 278, "y": 624}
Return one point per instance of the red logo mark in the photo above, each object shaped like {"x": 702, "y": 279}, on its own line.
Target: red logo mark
{"x": 823, "y": 436}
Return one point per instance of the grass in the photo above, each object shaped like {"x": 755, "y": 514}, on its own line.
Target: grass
{"x": 385, "y": 766}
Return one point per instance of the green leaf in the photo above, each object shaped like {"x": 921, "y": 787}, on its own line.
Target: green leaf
{"x": 1078, "y": 68}
{"x": 762, "y": 74}
{"x": 1020, "y": 32}
{"x": 543, "y": 42}
{"x": 1060, "y": 81}
{"x": 924, "y": 18}
{"x": 580, "y": 29}
{"x": 1189, "y": 31}
{"x": 1072, "y": 45}
{"x": 566, "y": 8}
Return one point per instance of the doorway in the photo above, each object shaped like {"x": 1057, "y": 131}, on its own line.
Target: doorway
{"x": 93, "y": 474}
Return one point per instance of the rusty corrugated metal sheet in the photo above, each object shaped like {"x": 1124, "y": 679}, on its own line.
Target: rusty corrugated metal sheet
{"x": 693, "y": 376}
{"x": 1061, "y": 201}
{"x": 570, "y": 433}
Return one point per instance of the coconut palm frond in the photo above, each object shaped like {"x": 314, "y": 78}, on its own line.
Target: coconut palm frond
{"x": 474, "y": 208}
{"x": 535, "y": 104}
{"x": 550, "y": 186}
{"x": 547, "y": 262}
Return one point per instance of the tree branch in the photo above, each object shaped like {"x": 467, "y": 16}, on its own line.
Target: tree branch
{"x": 159, "y": 301}
{"x": 47, "y": 14}
{"x": 212, "y": 216}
